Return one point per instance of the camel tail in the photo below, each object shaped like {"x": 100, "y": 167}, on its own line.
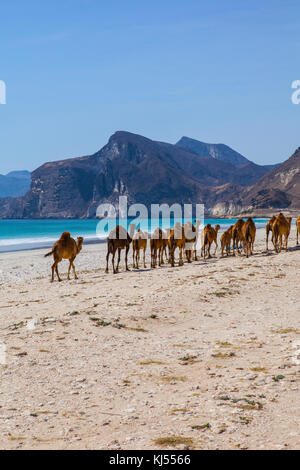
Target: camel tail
{"x": 248, "y": 234}
{"x": 49, "y": 254}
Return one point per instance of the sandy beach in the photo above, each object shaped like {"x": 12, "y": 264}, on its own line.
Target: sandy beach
{"x": 204, "y": 356}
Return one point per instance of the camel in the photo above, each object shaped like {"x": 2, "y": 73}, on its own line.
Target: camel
{"x": 65, "y": 248}
{"x": 118, "y": 239}
{"x": 176, "y": 240}
{"x": 191, "y": 235}
{"x": 281, "y": 228}
{"x": 157, "y": 244}
{"x": 237, "y": 236}
{"x": 248, "y": 232}
{"x": 139, "y": 242}
{"x": 225, "y": 240}
{"x": 298, "y": 228}
{"x": 269, "y": 225}
{"x": 209, "y": 236}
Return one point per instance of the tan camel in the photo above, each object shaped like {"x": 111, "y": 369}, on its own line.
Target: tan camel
{"x": 209, "y": 236}
{"x": 191, "y": 234}
{"x": 176, "y": 240}
{"x": 139, "y": 242}
{"x": 119, "y": 239}
{"x": 225, "y": 240}
{"x": 65, "y": 248}
{"x": 237, "y": 236}
{"x": 248, "y": 232}
{"x": 298, "y": 228}
{"x": 269, "y": 225}
{"x": 157, "y": 244}
{"x": 281, "y": 228}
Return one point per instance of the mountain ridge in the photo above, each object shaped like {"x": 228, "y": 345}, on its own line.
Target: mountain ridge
{"x": 144, "y": 170}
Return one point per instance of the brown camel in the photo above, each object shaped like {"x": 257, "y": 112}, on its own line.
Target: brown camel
{"x": 248, "y": 232}
{"x": 281, "y": 228}
{"x": 176, "y": 240}
{"x": 157, "y": 244}
{"x": 269, "y": 225}
{"x": 118, "y": 239}
{"x": 139, "y": 242}
{"x": 191, "y": 234}
{"x": 298, "y": 228}
{"x": 225, "y": 240}
{"x": 237, "y": 236}
{"x": 65, "y": 248}
{"x": 209, "y": 236}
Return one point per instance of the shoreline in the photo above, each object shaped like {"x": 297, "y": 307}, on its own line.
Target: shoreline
{"x": 45, "y": 241}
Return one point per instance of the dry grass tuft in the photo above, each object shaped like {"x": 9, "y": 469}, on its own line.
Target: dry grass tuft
{"x": 150, "y": 362}
{"x": 174, "y": 441}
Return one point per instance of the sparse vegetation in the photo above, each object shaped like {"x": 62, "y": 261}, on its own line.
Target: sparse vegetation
{"x": 174, "y": 441}
{"x": 276, "y": 378}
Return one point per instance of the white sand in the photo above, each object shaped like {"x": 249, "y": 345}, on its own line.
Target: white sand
{"x": 70, "y": 382}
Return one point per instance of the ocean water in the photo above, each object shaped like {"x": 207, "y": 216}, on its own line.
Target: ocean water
{"x": 30, "y": 234}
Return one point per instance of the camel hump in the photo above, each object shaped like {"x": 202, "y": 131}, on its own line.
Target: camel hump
{"x": 65, "y": 236}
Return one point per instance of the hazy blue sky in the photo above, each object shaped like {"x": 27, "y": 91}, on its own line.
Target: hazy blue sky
{"x": 78, "y": 70}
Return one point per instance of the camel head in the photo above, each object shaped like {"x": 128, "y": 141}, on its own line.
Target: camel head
{"x": 79, "y": 244}
{"x": 217, "y": 227}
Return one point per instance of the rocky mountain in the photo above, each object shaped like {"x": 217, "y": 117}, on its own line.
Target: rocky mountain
{"x": 280, "y": 188}
{"x": 15, "y": 183}
{"x": 217, "y": 151}
{"x": 145, "y": 171}
{"x": 249, "y": 171}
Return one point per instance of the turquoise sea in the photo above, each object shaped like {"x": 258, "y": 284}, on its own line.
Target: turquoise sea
{"x": 29, "y": 234}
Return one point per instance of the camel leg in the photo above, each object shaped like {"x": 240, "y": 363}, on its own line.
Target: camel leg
{"x": 209, "y": 246}
{"x": 119, "y": 258}
{"x": 133, "y": 255}
{"x": 53, "y": 268}
{"x": 159, "y": 256}
{"x": 297, "y": 236}
{"x": 138, "y": 258}
{"x": 56, "y": 270}
{"x": 107, "y": 259}
{"x": 144, "y": 256}
{"x": 280, "y": 244}
{"x": 286, "y": 243}
{"x": 267, "y": 240}
{"x": 180, "y": 256}
{"x": 126, "y": 258}
{"x": 216, "y": 248}
{"x": 69, "y": 269}
{"x": 113, "y": 261}
{"x": 74, "y": 270}
{"x": 172, "y": 257}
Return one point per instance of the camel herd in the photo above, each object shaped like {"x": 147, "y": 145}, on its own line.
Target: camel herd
{"x": 164, "y": 243}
